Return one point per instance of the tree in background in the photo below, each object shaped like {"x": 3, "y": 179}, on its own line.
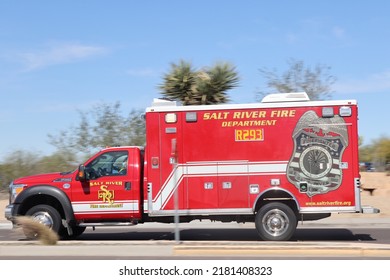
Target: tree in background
{"x": 377, "y": 153}
{"x": 179, "y": 83}
{"x": 365, "y": 151}
{"x": 23, "y": 163}
{"x": 316, "y": 81}
{"x": 199, "y": 87}
{"x": 103, "y": 126}
{"x": 381, "y": 153}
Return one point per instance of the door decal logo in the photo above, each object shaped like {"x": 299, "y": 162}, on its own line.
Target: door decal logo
{"x": 106, "y": 195}
{"x": 319, "y": 144}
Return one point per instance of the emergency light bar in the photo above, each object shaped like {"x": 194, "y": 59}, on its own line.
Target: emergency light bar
{"x": 163, "y": 102}
{"x": 286, "y": 97}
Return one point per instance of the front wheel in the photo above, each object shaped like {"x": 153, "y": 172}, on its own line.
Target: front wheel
{"x": 47, "y": 215}
{"x": 76, "y": 231}
{"x": 276, "y": 221}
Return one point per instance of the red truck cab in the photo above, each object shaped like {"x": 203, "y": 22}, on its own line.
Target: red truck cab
{"x": 107, "y": 187}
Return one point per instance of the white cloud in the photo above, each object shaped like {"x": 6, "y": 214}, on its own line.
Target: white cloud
{"x": 377, "y": 82}
{"x": 59, "y": 54}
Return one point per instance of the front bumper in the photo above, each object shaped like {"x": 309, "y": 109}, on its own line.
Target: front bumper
{"x": 8, "y": 212}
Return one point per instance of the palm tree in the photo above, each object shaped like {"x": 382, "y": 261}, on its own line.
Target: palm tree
{"x": 179, "y": 83}
{"x": 206, "y": 86}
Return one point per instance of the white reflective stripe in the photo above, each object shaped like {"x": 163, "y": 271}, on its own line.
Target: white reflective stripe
{"x": 313, "y": 209}
{"x": 205, "y": 169}
{"x": 169, "y": 186}
{"x": 267, "y": 168}
{"x": 100, "y": 207}
{"x": 201, "y": 169}
{"x": 211, "y": 211}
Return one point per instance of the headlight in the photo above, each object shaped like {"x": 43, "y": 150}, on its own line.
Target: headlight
{"x": 14, "y": 190}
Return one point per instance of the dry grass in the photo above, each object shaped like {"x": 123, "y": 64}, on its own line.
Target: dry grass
{"x": 33, "y": 228}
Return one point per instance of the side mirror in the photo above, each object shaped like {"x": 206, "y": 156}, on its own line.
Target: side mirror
{"x": 81, "y": 175}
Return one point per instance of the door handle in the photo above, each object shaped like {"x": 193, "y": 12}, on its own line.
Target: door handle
{"x": 127, "y": 186}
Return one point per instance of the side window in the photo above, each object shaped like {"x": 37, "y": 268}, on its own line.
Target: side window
{"x": 108, "y": 164}
{"x": 120, "y": 165}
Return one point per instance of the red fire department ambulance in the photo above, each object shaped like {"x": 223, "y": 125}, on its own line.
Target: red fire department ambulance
{"x": 273, "y": 163}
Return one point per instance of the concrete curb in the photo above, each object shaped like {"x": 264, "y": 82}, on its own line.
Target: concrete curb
{"x": 217, "y": 249}
{"x": 6, "y": 225}
{"x": 325, "y": 249}
{"x": 20, "y": 249}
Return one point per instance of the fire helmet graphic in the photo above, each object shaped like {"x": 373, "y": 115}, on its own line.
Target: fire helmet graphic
{"x": 319, "y": 144}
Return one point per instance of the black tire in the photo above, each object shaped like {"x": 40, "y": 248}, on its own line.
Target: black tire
{"x": 276, "y": 221}
{"x": 46, "y": 215}
{"x": 76, "y": 231}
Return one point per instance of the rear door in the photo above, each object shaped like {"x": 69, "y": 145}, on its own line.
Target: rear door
{"x": 216, "y": 165}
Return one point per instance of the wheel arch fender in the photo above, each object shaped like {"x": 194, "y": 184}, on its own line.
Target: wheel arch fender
{"x": 23, "y": 200}
{"x": 276, "y": 194}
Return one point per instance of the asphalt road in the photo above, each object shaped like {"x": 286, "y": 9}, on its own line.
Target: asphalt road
{"x": 243, "y": 234}
{"x": 233, "y": 232}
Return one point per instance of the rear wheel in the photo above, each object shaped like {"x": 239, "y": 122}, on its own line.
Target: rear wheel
{"x": 47, "y": 215}
{"x": 276, "y": 221}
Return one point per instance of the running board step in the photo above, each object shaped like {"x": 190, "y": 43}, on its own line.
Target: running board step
{"x": 370, "y": 210}
{"x": 107, "y": 224}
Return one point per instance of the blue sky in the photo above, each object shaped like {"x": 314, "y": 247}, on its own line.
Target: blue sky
{"x": 60, "y": 57}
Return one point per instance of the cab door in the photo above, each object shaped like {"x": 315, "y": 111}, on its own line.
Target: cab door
{"x": 109, "y": 191}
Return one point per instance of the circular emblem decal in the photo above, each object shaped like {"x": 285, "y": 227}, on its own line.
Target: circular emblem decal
{"x": 315, "y": 162}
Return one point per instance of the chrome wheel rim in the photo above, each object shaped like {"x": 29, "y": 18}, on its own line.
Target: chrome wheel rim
{"x": 43, "y": 218}
{"x": 275, "y": 222}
